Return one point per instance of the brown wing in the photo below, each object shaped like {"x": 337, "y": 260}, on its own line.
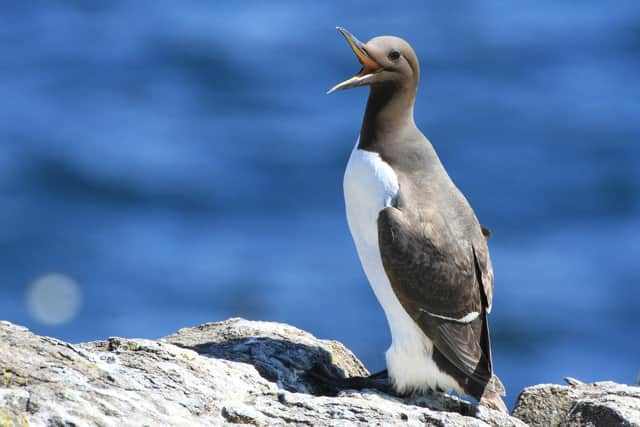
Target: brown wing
{"x": 437, "y": 280}
{"x": 485, "y": 270}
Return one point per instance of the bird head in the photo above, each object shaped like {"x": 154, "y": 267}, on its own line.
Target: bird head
{"x": 386, "y": 60}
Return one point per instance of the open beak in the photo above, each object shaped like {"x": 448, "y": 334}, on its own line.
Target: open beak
{"x": 369, "y": 66}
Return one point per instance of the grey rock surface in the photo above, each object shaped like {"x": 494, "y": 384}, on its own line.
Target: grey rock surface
{"x": 597, "y": 404}
{"x": 230, "y": 373}
{"x": 226, "y": 373}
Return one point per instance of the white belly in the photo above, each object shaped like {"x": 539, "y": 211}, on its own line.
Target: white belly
{"x": 370, "y": 185}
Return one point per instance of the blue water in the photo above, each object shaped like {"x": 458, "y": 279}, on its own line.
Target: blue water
{"x": 180, "y": 161}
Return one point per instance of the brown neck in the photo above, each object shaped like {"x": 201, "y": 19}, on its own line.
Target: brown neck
{"x": 389, "y": 110}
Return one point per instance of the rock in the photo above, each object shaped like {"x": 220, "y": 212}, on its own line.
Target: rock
{"x": 280, "y": 353}
{"x": 227, "y": 373}
{"x": 578, "y": 404}
{"x": 242, "y": 372}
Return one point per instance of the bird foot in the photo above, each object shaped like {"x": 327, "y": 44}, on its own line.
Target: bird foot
{"x": 382, "y": 375}
{"x": 328, "y": 384}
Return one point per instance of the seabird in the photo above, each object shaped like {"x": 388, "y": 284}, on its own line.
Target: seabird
{"x": 420, "y": 244}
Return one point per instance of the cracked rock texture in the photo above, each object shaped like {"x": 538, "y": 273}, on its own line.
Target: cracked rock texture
{"x": 598, "y": 404}
{"x": 240, "y": 372}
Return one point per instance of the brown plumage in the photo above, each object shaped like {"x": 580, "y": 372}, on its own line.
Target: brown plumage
{"x": 431, "y": 245}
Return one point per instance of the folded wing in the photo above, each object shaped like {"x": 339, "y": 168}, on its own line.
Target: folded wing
{"x": 444, "y": 283}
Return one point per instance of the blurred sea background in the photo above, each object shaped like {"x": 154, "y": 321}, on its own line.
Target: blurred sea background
{"x": 165, "y": 164}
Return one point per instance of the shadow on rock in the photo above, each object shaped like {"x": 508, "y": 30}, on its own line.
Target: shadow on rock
{"x": 278, "y": 361}
{"x": 284, "y": 356}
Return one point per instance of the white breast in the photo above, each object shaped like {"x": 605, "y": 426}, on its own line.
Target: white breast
{"x": 370, "y": 184}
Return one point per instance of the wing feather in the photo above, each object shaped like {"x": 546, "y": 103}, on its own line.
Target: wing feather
{"x": 435, "y": 277}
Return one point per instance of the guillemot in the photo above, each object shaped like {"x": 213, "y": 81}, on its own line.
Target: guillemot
{"x": 420, "y": 244}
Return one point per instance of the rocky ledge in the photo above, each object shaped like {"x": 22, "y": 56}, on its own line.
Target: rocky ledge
{"x": 244, "y": 372}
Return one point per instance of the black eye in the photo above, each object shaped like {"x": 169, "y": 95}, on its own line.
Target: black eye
{"x": 394, "y": 55}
